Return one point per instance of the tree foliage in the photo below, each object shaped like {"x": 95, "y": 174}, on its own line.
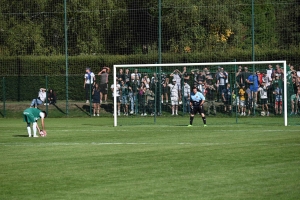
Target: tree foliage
{"x": 36, "y": 27}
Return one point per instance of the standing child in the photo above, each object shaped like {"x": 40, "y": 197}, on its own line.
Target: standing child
{"x": 278, "y": 99}
{"x": 96, "y": 99}
{"x": 263, "y": 90}
{"x": 242, "y": 93}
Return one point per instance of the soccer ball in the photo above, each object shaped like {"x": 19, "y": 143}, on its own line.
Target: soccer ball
{"x": 43, "y": 133}
{"x": 262, "y": 113}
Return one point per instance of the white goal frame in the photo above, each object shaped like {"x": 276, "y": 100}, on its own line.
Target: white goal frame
{"x": 200, "y": 64}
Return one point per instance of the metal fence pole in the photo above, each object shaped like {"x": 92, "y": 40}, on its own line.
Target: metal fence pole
{"x": 3, "y": 96}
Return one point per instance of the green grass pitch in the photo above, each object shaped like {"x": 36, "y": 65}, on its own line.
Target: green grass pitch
{"x": 88, "y": 158}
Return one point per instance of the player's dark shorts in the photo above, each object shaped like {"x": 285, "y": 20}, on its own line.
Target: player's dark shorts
{"x": 264, "y": 101}
{"x": 164, "y": 89}
{"x": 103, "y": 88}
{"x": 197, "y": 109}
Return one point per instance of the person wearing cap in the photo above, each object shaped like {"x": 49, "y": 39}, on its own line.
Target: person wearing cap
{"x": 196, "y": 102}
{"x": 30, "y": 116}
{"x": 103, "y": 83}
{"x": 89, "y": 79}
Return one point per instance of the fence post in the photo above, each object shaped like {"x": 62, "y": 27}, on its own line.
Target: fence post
{"x": 3, "y": 96}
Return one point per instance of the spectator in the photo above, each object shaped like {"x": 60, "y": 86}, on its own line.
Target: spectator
{"x": 136, "y": 78}
{"x": 252, "y": 80}
{"x": 96, "y": 99}
{"x": 135, "y": 85}
{"x": 120, "y": 75}
{"x": 146, "y": 81}
{"x": 51, "y": 97}
{"x": 210, "y": 93}
{"x": 186, "y": 97}
{"x": 40, "y": 99}
{"x": 131, "y": 99}
{"x": 185, "y": 75}
{"x": 260, "y": 77}
{"x": 242, "y": 100}
{"x": 278, "y": 99}
{"x": 264, "y": 98}
{"x": 174, "y": 90}
{"x": 164, "y": 88}
{"x": 249, "y": 102}
{"x": 226, "y": 95}
{"x": 118, "y": 87}
{"x": 104, "y": 83}
{"x": 270, "y": 73}
{"x": 127, "y": 77}
{"x": 295, "y": 99}
{"x": 238, "y": 77}
{"x": 221, "y": 78}
{"x": 176, "y": 75}
{"x": 142, "y": 99}
{"x": 89, "y": 79}
{"x": 124, "y": 97}
{"x": 149, "y": 94}
{"x": 245, "y": 76}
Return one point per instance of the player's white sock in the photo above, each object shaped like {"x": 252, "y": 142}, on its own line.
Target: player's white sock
{"x": 29, "y": 131}
{"x": 34, "y": 129}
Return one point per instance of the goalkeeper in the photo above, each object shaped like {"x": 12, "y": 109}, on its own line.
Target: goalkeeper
{"x": 196, "y": 102}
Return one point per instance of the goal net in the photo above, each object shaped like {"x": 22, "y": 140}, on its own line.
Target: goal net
{"x": 246, "y": 92}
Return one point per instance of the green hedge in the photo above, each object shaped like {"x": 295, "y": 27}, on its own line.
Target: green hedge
{"x": 25, "y": 75}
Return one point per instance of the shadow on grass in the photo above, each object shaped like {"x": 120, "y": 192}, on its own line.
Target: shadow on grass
{"x": 60, "y": 110}
{"x": 85, "y": 109}
{"x": 20, "y": 135}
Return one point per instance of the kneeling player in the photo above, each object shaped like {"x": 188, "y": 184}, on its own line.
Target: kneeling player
{"x": 196, "y": 102}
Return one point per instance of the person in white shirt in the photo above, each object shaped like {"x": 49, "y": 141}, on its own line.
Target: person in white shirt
{"x": 263, "y": 91}
{"x": 186, "y": 97}
{"x": 89, "y": 79}
{"x": 118, "y": 95}
{"x": 174, "y": 90}
{"x": 177, "y": 77}
{"x": 40, "y": 99}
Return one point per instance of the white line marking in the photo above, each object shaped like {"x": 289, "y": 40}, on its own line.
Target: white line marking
{"x": 142, "y": 143}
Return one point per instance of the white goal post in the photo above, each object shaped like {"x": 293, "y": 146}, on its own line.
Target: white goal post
{"x": 115, "y": 68}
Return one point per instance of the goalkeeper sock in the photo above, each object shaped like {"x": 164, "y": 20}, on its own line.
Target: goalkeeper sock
{"x": 191, "y": 120}
{"x": 204, "y": 120}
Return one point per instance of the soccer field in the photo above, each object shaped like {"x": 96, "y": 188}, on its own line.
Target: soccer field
{"x": 88, "y": 158}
